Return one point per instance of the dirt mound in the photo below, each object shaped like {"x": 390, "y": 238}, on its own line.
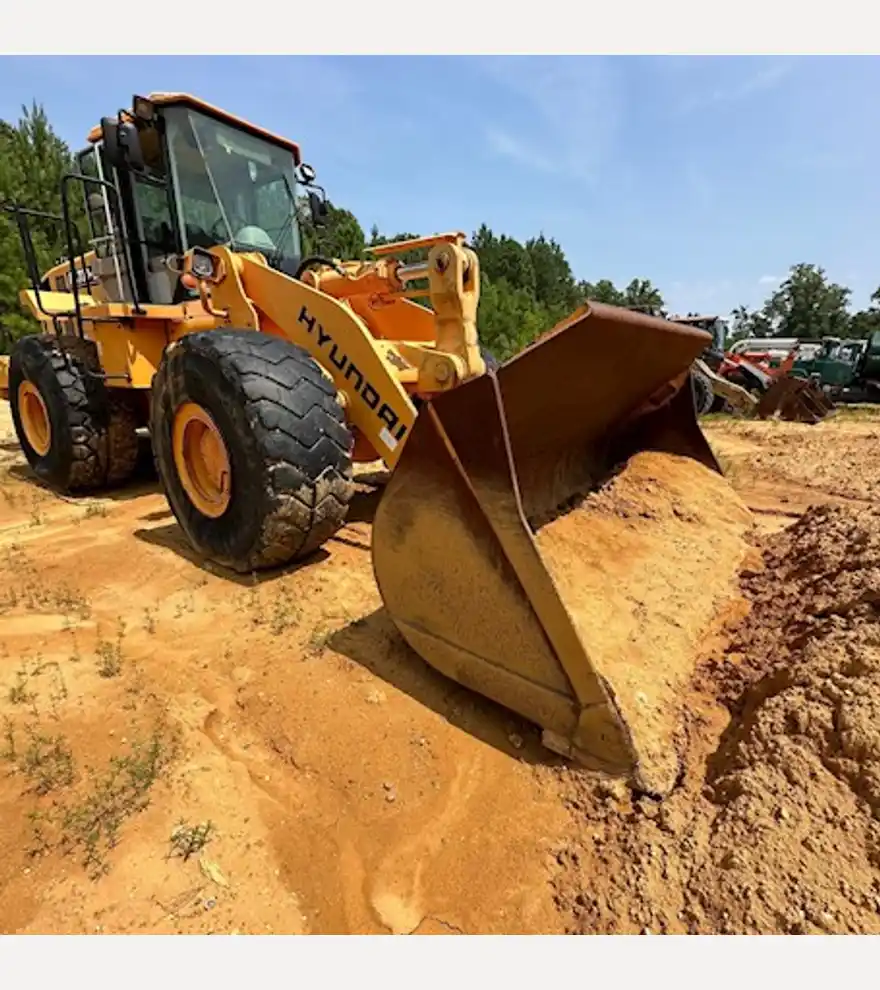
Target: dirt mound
{"x": 774, "y": 828}
{"x": 643, "y": 566}
{"x": 837, "y": 456}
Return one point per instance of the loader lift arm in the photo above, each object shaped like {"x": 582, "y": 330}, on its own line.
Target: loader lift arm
{"x": 336, "y": 314}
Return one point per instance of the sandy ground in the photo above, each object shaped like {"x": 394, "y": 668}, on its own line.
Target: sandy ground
{"x": 185, "y": 752}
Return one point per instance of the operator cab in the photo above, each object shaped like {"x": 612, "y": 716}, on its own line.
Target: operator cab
{"x": 837, "y": 349}
{"x": 712, "y": 324}
{"x": 187, "y": 175}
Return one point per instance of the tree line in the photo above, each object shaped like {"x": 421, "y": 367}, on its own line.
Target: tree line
{"x": 808, "y": 305}
{"x": 33, "y": 160}
{"x": 526, "y": 288}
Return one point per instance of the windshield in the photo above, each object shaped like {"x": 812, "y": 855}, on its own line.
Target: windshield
{"x": 233, "y": 188}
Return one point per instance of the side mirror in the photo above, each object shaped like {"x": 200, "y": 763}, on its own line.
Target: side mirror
{"x": 130, "y": 143}
{"x": 306, "y": 174}
{"x": 111, "y": 143}
{"x": 318, "y": 209}
{"x": 122, "y": 143}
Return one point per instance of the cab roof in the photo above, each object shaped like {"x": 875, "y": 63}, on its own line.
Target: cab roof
{"x": 695, "y": 318}
{"x": 194, "y": 103}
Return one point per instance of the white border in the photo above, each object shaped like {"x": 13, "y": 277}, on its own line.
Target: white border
{"x": 437, "y": 27}
{"x": 535, "y": 962}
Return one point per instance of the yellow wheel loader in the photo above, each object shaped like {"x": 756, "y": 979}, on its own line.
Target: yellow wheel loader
{"x": 555, "y": 533}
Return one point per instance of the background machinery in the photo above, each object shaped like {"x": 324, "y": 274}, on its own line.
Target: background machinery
{"x": 555, "y": 533}
{"x": 748, "y": 383}
{"x": 846, "y": 370}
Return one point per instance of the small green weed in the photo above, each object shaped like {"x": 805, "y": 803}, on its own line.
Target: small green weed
{"x": 186, "y": 840}
{"x": 109, "y": 653}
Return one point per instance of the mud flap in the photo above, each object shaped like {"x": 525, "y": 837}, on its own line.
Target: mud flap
{"x": 539, "y": 514}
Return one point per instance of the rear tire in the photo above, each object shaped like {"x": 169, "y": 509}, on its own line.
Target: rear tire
{"x": 284, "y": 441}
{"x": 76, "y": 434}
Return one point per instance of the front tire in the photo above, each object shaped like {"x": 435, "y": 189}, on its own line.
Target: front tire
{"x": 251, "y": 446}
{"x": 704, "y": 395}
{"x": 76, "y": 434}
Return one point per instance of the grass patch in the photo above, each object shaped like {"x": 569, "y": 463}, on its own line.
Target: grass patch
{"x": 857, "y": 411}
{"x": 74, "y": 808}
{"x": 22, "y": 691}
{"x": 150, "y": 620}
{"x": 35, "y": 595}
{"x": 109, "y": 653}
{"x": 187, "y": 840}
{"x": 10, "y": 497}
{"x": 717, "y": 417}
{"x": 8, "y": 751}
{"x": 89, "y": 820}
{"x": 91, "y": 824}
{"x": 319, "y": 639}
{"x": 46, "y": 761}
{"x": 38, "y": 516}
{"x": 19, "y": 693}
{"x": 280, "y": 613}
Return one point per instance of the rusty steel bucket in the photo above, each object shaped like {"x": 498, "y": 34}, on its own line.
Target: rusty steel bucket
{"x": 796, "y": 400}
{"x": 558, "y": 536}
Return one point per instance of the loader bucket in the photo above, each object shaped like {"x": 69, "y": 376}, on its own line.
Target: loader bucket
{"x": 557, "y": 536}
{"x": 795, "y": 399}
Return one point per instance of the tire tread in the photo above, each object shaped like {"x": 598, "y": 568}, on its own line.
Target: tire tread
{"x": 102, "y": 427}
{"x": 297, "y": 436}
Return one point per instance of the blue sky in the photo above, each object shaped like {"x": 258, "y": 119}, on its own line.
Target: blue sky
{"x": 711, "y": 176}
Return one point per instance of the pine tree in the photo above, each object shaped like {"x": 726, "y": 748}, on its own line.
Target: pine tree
{"x": 33, "y": 160}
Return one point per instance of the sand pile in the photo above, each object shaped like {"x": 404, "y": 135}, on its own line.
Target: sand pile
{"x": 774, "y": 828}
{"x": 643, "y": 566}
{"x": 833, "y": 457}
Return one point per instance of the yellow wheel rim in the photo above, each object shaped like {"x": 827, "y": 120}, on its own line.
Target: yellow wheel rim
{"x": 34, "y": 418}
{"x": 201, "y": 460}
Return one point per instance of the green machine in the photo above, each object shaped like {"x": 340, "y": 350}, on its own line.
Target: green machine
{"x": 848, "y": 370}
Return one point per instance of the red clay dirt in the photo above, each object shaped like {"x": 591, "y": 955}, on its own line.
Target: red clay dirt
{"x": 773, "y": 828}
{"x": 181, "y": 751}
